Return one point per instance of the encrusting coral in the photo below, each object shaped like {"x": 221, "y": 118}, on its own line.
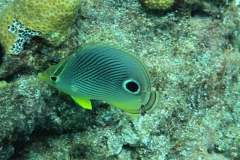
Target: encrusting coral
{"x": 49, "y": 19}
{"x": 158, "y": 4}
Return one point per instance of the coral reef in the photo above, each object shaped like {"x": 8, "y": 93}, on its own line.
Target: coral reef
{"x": 49, "y": 19}
{"x": 158, "y": 4}
{"x": 25, "y": 113}
{"x": 193, "y": 55}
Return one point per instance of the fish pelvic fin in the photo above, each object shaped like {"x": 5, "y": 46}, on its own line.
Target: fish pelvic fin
{"x": 85, "y": 103}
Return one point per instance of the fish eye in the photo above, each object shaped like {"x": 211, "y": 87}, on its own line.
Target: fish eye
{"x": 53, "y": 78}
{"x": 131, "y": 86}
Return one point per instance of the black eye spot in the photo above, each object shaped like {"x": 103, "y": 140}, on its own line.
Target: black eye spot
{"x": 132, "y": 86}
{"x": 53, "y": 78}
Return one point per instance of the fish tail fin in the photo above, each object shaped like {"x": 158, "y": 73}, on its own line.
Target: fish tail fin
{"x": 152, "y": 102}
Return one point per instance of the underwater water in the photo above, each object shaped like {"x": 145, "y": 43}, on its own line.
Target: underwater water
{"x": 191, "y": 49}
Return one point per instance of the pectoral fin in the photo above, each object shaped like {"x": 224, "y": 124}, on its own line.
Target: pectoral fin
{"x": 85, "y": 103}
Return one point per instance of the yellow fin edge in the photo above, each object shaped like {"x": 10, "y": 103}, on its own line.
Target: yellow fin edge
{"x": 85, "y": 103}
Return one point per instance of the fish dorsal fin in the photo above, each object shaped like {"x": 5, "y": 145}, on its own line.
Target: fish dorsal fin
{"x": 85, "y": 103}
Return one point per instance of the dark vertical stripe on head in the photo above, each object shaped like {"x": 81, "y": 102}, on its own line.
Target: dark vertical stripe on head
{"x": 61, "y": 67}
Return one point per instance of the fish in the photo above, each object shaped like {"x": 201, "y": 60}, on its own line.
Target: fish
{"x": 106, "y": 73}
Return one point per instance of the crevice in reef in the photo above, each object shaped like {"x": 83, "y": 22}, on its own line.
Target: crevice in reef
{"x": 198, "y": 12}
{"x": 1, "y": 54}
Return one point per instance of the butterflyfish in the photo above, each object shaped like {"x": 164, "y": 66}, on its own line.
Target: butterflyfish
{"x": 106, "y": 73}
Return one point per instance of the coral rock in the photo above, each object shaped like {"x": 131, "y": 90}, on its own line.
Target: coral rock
{"x": 49, "y": 19}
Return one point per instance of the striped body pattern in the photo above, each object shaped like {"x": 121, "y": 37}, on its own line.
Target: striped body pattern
{"x": 106, "y": 73}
